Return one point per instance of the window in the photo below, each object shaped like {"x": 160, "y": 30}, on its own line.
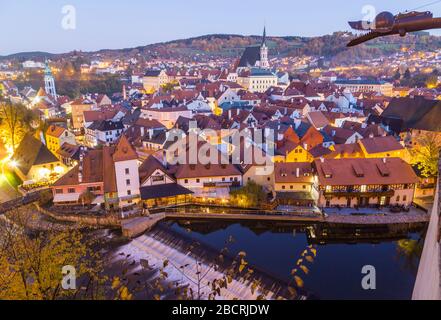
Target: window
{"x": 283, "y": 187}
{"x": 129, "y": 192}
{"x": 59, "y": 191}
{"x": 127, "y": 171}
{"x": 198, "y": 180}
{"x": 159, "y": 178}
{"x": 363, "y": 188}
{"x": 128, "y": 182}
{"x": 328, "y": 188}
{"x": 186, "y": 181}
{"x": 71, "y": 190}
{"x": 404, "y": 198}
{"x": 398, "y": 198}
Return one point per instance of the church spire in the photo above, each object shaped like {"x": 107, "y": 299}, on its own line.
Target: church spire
{"x": 264, "y": 63}
{"x": 49, "y": 81}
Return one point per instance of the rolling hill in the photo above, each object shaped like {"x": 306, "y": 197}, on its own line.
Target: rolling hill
{"x": 205, "y": 47}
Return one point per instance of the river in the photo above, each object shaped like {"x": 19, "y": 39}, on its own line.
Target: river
{"x": 274, "y": 249}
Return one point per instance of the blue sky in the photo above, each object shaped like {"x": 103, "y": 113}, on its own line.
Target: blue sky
{"x": 35, "y": 25}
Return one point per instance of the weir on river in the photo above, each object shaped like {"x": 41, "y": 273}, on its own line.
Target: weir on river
{"x": 162, "y": 244}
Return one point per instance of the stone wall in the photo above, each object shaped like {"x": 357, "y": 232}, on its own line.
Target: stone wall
{"x": 428, "y": 282}
{"x": 439, "y": 200}
{"x": 94, "y": 221}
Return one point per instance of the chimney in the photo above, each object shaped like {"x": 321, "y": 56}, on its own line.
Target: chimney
{"x": 142, "y": 132}
{"x": 322, "y": 160}
{"x": 229, "y": 113}
{"x": 164, "y": 159}
{"x": 124, "y": 92}
{"x": 305, "y": 146}
{"x": 298, "y": 173}
{"x": 237, "y": 111}
{"x": 364, "y": 125}
{"x": 333, "y": 133}
{"x": 384, "y": 160}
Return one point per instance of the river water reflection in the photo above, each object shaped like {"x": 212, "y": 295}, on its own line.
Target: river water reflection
{"x": 336, "y": 272}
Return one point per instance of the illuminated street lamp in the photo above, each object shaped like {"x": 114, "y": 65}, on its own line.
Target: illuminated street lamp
{"x": 13, "y": 164}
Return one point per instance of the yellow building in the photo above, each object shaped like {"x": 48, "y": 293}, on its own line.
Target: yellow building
{"x": 383, "y": 147}
{"x": 257, "y": 80}
{"x": 293, "y": 183}
{"x": 153, "y": 80}
{"x": 292, "y": 152}
{"x": 385, "y": 88}
{"x": 57, "y": 136}
{"x": 34, "y": 162}
{"x": 78, "y": 108}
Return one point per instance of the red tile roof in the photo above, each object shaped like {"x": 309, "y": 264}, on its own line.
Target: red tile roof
{"x": 124, "y": 151}
{"x": 364, "y": 172}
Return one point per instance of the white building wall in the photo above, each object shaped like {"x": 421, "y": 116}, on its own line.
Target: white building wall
{"x": 124, "y": 188}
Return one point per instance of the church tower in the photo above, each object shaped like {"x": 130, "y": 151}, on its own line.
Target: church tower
{"x": 49, "y": 82}
{"x": 264, "y": 52}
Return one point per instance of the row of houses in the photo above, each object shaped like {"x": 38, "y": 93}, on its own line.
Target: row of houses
{"x": 117, "y": 179}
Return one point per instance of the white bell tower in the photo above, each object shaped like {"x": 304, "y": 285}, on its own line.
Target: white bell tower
{"x": 264, "y": 52}
{"x": 49, "y": 82}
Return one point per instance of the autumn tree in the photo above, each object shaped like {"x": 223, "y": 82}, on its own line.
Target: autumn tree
{"x": 31, "y": 264}
{"x": 251, "y": 195}
{"x": 432, "y": 82}
{"x": 87, "y": 197}
{"x": 15, "y": 122}
{"x": 169, "y": 87}
{"x": 425, "y": 154}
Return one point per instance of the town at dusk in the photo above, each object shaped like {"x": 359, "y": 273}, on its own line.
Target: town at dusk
{"x": 183, "y": 153}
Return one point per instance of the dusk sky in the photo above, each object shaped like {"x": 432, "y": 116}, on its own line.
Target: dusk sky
{"x": 36, "y": 25}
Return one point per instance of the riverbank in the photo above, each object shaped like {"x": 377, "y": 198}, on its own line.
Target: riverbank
{"x": 134, "y": 227}
{"x": 138, "y": 226}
